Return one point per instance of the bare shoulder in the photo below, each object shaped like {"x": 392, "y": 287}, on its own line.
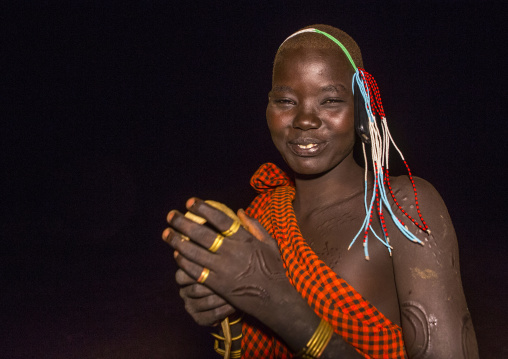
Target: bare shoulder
{"x": 421, "y": 202}
{"x": 428, "y": 197}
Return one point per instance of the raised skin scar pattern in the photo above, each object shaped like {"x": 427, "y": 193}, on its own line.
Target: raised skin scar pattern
{"x": 257, "y": 263}
{"x": 251, "y": 291}
{"x": 415, "y": 316}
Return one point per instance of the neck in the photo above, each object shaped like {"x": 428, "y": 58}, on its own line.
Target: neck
{"x": 343, "y": 182}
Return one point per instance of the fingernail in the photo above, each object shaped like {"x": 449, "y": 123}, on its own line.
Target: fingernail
{"x": 170, "y": 216}
{"x": 165, "y": 234}
{"x": 190, "y": 202}
{"x": 175, "y": 254}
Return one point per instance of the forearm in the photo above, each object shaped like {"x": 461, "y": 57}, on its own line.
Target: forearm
{"x": 295, "y": 322}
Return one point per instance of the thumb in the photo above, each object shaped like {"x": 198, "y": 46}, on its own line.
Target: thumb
{"x": 255, "y": 228}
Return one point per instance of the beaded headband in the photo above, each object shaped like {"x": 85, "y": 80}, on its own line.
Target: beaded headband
{"x": 367, "y": 89}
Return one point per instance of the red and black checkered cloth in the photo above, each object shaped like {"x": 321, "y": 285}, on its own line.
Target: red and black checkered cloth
{"x": 331, "y": 297}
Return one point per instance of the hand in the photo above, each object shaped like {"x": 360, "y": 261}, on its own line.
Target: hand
{"x": 205, "y": 307}
{"x": 246, "y": 270}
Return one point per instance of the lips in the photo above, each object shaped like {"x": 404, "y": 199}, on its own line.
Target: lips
{"x": 307, "y": 147}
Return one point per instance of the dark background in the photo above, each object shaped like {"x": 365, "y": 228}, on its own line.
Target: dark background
{"x": 114, "y": 113}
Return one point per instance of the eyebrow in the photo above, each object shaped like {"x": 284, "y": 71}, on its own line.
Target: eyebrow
{"x": 281, "y": 89}
{"x": 339, "y": 88}
{"x": 332, "y": 88}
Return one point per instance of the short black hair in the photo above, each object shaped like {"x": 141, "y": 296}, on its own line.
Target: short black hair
{"x": 319, "y": 41}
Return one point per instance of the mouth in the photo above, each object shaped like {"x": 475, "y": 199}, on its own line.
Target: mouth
{"x": 307, "y": 147}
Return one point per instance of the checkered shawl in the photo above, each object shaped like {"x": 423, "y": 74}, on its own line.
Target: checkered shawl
{"x": 331, "y": 297}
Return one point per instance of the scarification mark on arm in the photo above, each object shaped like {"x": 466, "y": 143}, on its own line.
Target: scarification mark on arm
{"x": 416, "y": 329}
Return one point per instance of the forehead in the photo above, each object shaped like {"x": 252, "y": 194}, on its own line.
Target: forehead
{"x": 328, "y": 62}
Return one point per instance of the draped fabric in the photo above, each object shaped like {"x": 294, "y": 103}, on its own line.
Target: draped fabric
{"x": 330, "y": 296}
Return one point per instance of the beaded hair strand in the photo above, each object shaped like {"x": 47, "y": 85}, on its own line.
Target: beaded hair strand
{"x": 380, "y": 141}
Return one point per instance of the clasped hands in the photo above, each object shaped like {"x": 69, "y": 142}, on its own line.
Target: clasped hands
{"x": 224, "y": 265}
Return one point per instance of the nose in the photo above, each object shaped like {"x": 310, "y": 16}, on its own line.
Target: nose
{"x": 306, "y": 119}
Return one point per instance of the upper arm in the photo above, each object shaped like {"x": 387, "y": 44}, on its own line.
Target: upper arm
{"x": 434, "y": 315}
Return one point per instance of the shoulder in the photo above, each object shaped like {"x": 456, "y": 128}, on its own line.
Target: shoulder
{"x": 420, "y": 201}
{"x": 437, "y": 258}
{"x": 407, "y": 190}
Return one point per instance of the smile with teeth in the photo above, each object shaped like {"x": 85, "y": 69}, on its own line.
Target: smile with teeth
{"x": 306, "y": 147}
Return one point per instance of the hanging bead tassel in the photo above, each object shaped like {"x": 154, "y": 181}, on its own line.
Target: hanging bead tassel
{"x": 380, "y": 145}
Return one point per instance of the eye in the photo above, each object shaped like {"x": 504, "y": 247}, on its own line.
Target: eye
{"x": 331, "y": 101}
{"x": 283, "y": 101}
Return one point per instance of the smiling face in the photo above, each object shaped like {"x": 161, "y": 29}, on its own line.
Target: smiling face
{"x": 310, "y": 110}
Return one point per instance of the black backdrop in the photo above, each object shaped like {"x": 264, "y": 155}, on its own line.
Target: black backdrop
{"x": 113, "y": 113}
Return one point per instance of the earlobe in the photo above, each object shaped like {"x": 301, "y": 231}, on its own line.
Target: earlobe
{"x": 361, "y": 117}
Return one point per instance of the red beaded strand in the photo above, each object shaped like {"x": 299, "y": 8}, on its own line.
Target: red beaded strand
{"x": 423, "y": 227}
{"x": 377, "y": 108}
{"x": 375, "y": 100}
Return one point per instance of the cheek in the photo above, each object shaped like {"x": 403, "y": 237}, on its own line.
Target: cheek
{"x": 276, "y": 123}
{"x": 346, "y": 126}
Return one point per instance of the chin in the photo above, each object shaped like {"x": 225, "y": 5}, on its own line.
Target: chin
{"x": 312, "y": 167}
{"x": 309, "y": 167}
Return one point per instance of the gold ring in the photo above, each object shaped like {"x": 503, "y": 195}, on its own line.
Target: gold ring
{"x": 232, "y": 230}
{"x": 216, "y": 243}
{"x": 204, "y": 275}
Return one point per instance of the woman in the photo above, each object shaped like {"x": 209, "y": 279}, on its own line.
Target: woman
{"x": 294, "y": 268}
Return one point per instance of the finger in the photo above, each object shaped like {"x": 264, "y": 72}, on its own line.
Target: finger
{"x": 192, "y": 269}
{"x": 203, "y": 304}
{"x": 196, "y": 291}
{"x": 203, "y": 235}
{"x": 191, "y": 250}
{"x": 183, "y": 279}
{"x": 255, "y": 228}
{"x": 252, "y": 225}
{"x": 212, "y": 317}
{"x": 220, "y": 220}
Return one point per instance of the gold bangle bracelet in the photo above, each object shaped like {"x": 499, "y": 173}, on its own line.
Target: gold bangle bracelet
{"x": 318, "y": 342}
